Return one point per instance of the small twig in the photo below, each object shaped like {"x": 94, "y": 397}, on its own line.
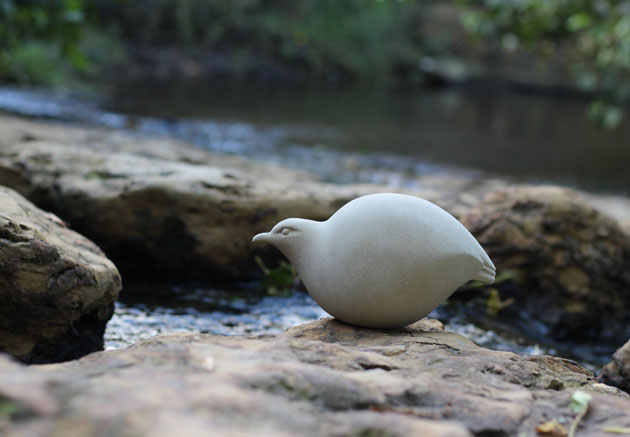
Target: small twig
{"x": 576, "y": 422}
{"x": 261, "y": 265}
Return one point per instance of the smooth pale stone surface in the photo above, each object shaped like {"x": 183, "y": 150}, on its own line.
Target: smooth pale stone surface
{"x": 383, "y": 260}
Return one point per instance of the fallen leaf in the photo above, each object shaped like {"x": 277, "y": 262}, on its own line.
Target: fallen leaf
{"x": 552, "y": 428}
{"x": 579, "y": 401}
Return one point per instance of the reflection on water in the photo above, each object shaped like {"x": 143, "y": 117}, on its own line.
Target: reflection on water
{"x": 151, "y": 310}
{"x": 536, "y": 138}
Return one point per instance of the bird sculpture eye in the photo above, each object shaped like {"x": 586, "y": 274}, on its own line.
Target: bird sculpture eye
{"x": 285, "y": 231}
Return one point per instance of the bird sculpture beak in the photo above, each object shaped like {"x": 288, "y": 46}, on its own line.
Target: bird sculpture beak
{"x": 261, "y": 237}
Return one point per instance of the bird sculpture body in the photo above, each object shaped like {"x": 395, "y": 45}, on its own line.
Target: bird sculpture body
{"x": 382, "y": 260}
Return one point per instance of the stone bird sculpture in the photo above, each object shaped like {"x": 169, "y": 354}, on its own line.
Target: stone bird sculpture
{"x": 382, "y": 260}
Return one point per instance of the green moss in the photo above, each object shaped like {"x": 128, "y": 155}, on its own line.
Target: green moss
{"x": 8, "y": 408}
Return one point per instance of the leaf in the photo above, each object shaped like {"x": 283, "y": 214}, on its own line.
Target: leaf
{"x": 578, "y": 21}
{"x": 504, "y": 276}
{"x": 606, "y": 115}
{"x": 552, "y": 428}
{"x": 579, "y": 401}
{"x": 277, "y": 281}
{"x": 494, "y": 304}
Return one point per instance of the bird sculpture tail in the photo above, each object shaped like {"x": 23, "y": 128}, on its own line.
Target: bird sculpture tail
{"x": 488, "y": 271}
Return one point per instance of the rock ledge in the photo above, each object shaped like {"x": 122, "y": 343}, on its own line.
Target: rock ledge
{"x": 322, "y": 378}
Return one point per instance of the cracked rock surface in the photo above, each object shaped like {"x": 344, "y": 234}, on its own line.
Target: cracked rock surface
{"x": 321, "y": 378}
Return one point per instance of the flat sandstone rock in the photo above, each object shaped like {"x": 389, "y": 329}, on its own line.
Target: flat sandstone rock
{"x": 321, "y": 378}
{"x": 57, "y": 288}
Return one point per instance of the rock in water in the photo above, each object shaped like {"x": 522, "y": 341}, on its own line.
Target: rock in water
{"x": 568, "y": 261}
{"x": 617, "y": 372}
{"x": 57, "y": 289}
{"x": 382, "y": 260}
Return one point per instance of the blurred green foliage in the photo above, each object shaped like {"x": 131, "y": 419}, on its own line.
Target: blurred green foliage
{"x": 40, "y": 39}
{"x": 591, "y": 36}
{"x": 43, "y": 41}
{"x": 358, "y": 38}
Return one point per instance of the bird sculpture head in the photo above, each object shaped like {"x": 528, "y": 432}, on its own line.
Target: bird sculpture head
{"x": 289, "y": 236}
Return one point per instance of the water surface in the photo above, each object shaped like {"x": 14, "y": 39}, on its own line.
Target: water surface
{"x": 145, "y": 311}
{"x": 528, "y": 137}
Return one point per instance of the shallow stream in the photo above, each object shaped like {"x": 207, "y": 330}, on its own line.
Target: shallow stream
{"x": 145, "y": 311}
{"x": 351, "y": 136}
